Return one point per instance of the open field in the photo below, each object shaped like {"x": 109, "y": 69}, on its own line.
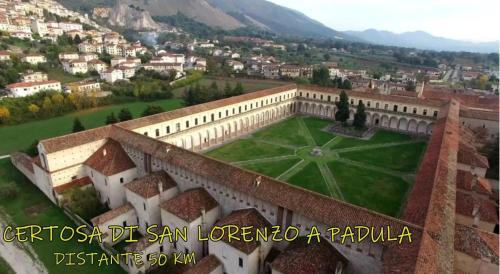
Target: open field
{"x": 376, "y": 173}
{"x": 30, "y": 206}
{"x": 19, "y": 137}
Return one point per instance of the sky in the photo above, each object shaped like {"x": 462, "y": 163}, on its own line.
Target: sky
{"x": 457, "y": 19}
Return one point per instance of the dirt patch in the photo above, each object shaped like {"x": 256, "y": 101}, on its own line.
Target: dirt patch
{"x": 34, "y": 210}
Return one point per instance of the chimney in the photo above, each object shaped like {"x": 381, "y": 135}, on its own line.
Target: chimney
{"x": 475, "y": 214}
{"x": 104, "y": 152}
{"x": 160, "y": 187}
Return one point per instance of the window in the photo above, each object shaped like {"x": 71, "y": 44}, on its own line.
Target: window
{"x": 352, "y": 101}
{"x": 239, "y": 109}
{"x": 321, "y": 97}
{"x": 161, "y": 248}
{"x": 146, "y": 133}
{"x": 105, "y": 182}
{"x": 204, "y": 119}
{"x": 369, "y": 103}
{"x": 414, "y": 110}
{"x": 121, "y": 180}
{"x": 227, "y": 112}
{"x": 195, "y": 121}
{"x": 157, "y": 132}
{"x": 124, "y": 223}
{"x": 435, "y": 113}
{"x": 240, "y": 262}
{"x": 386, "y": 106}
{"x": 187, "y": 124}
{"x": 376, "y": 105}
{"x": 168, "y": 129}
{"x": 425, "y": 112}
{"x": 220, "y": 114}
{"x": 178, "y": 127}
{"x": 314, "y": 96}
{"x": 395, "y": 108}
{"x": 144, "y": 205}
{"x": 212, "y": 116}
{"x": 405, "y": 109}
{"x": 329, "y": 98}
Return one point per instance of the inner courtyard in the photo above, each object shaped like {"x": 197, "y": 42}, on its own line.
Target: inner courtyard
{"x": 376, "y": 173}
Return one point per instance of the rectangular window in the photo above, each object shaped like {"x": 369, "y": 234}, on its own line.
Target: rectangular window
{"x": 227, "y": 112}
{"x": 121, "y": 180}
{"x": 195, "y": 121}
{"x": 213, "y": 117}
{"x": 204, "y": 119}
{"x": 178, "y": 127}
{"x": 157, "y": 132}
{"x": 187, "y": 124}
{"x": 168, "y": 129}
{"x": 425, "y": 112}
{"x": 220, "y": 114}
{"x": 144, "y": 205}
{"x": 146, "y": 133}
{"x": 240, "y": 262}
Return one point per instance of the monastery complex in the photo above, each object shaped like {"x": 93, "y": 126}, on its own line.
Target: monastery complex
{"x": 150, "y": 171}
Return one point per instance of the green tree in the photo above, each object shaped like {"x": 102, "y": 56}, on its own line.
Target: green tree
{"x": 360, "y": 116}
{"x": 111, "y": 119}
{"x": 342, "y": 114}
{"x": 125, "y": 115}
{"x": 77, "y": 125}
{"x": 321, "y": 77}
{"x": 34, "y": 109}
{"x": 77, "y": 39}
{"x": 190, "y": 96}
{"x": 238, "y": 89}
{"x": 83, "y": 202}
{"x": 410, "y": 86}
{"x": 346, "y": 84}
{"x": 228, "y": 91}
{"x": 32, "y": 150}
{"x": 151, "y": 110}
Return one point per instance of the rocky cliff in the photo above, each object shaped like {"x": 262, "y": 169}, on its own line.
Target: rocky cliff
{"x": 132, "y": 17}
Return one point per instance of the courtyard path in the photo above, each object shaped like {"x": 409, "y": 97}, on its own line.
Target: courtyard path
{"x": 374, "y": 146}
{"x": 265, "y": 160}
{"x": 330, "y": 181}
{"x": 376, "y": 168}
{"x": 306, "y": 133}
{"x": 275, "y": 143}
{"x": 292, "y": 170}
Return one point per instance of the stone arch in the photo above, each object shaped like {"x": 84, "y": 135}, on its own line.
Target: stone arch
{"x": 412, "y": 126}
{"x": 384, "y": 121}
{"x": 393, "y": 122}
{"x": 376, "y": 119}
{"x": 351, "y": 114}
{"x": 368, "y": 118}
{"x": 422, "y": 127}
{"x": 430, "y": 126}
{"x": 403, "y": 124}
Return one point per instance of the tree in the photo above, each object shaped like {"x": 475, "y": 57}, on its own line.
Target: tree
{"x": 238, "y": 89}
{"x": 47, "y": 105}
{"x": 111, "y": 119}
{"x": 346, "y": 84}
{"x": 34, "y": 109}
{"x": 4, "y": 114}
{"x": 151, "y": 110}
{"x": 77, "y": 39}
{"x": 360, "y": 116}
{"x": 77, "y": 125}
{"x": 32, "y": 150}
{"x": 342, "y": 113}
{"x": 228, "y": 91}
{"x": 125, "y": 115}
{"x": 321, "y": 77}
{"x": 83, "y": 202}
{"x": 410, "y": 86}
{"x": 190, "y": 96}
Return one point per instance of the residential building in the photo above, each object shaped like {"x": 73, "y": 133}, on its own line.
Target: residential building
{"x": 29, "y": 88}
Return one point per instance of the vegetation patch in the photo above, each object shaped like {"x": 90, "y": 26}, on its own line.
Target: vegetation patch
{"x": 243, "y": 150}
{"x": 310, "y": 178}
{"x": 272, "y": 169}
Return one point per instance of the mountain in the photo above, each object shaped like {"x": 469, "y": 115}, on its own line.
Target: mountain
{"x": 279, "y": 19}
{"x": 131, "y": 16}
{"x": 422, "y": 40}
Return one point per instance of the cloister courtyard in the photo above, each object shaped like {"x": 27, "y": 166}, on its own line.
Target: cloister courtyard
{"x": 376, "y": 173}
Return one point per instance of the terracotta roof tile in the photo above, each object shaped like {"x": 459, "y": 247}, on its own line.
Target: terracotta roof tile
{"x": 110, "y": 159}
{"x": 465, "y": 181}
{"x": 476, "y": 243}
{"x": 303, "y": 258}
{"x": 189, "y": 205}
{"x": 75, "y": 139}
{"x": 243, "y": 218}
{"x": 148, "y": 186}
{"x": 465, "y": 204}
{"x": 110, "y": 215}
{"x": 204, "y": 266}
{"x": 84, "y": 181}
{"x": 468, "y": 155}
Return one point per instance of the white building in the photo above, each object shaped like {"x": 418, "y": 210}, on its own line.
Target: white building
{"x": 29, "y": 88}
{"x": 111, "y": 75}
{"x": 97, "y": 65}
{"x": 75, "y": 66}
{"x": 4, "y": 55}
{"x": 34, "y": 59}
{"x": 31, "y": 76}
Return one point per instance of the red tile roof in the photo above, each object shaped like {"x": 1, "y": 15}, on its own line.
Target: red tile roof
{"x": 31, "y": 84}
{"x": 148, "y": 186}
{"x": 110, "y": 215}
{"x": 488, "y": 211}
{"x": 84, "y": 181}
{"x": 465, "y": 181}
{"x": 75, "y": 139}
{"x": 243, "y": 218}
{"x": 468, "y": 155}
{"x": 204, "y": 266}
{"x": 303, "y": 258}
{"x": 110, "y": 159}
{"x": 477, "y": 243}
{"x": 189, "y": 205}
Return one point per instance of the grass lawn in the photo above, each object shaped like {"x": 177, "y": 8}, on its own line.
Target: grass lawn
{"x": 58, "y": 74}
{"x": 401, "y": 158}
{"x": 242, "y": 150}
{"x": 287, "y": 132}
{"x": 381, "y": 136}
{"x": 370, "y": 189}
{"x": 19, "y": 137}
{"x": 315, "y": 126}
{"x": 310, "y": 178}
{"x": 5, "y": 268}
{"x": 45, "y": 214}
{"x": 272, "y": 169}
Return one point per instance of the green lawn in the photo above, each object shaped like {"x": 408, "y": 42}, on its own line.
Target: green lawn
{"x": 370, "y": 189}
{"x": 5, "y": 268}
{"x": 401, "y": 158}
{"x": 310, "y": 178}
{"x": 381, "y": 136}
{"x": 242, "y": 150}
{"x": 58, "y": 74}
{"x": 272, "y": 169}
{"x": 46, "y": 214}
{"x": 315, "y": 127}
{"x": 287, "y": 132}
{"x": 19, "y": 137}
{"x": 383, "y": 190}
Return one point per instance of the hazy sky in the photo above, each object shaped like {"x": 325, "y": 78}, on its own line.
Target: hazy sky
{"x": 458, "y": 19}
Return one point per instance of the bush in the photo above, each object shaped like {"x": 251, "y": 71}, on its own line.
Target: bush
{"x": 83, "y": 202}
{"x": 8, "y": 191}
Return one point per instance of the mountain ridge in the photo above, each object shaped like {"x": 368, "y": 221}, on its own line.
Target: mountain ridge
{"x": 422, "y": 40}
